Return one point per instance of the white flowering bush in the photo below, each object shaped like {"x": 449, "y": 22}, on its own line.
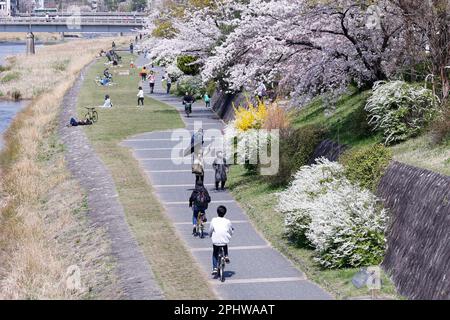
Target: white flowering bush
{"x": 400, "y": 110}
{"x": 342, "y": 222}
{"x": 247, "y": 144}
{"x": 174, "y": 71}
{"x": 191, "y": 84}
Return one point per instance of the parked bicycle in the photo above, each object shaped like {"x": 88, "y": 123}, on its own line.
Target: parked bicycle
{"x": 91, "y": 114}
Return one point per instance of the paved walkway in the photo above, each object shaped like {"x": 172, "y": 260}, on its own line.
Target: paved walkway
{"x": 256, "y": 271}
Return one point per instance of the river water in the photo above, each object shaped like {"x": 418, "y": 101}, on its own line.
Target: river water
{"x": 8, "y": 109}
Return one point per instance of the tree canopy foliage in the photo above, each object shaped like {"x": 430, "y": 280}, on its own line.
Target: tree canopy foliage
{"x": 307, "y": 47}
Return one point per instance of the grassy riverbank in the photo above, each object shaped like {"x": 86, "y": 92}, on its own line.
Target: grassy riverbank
{"x": 28, "y": 77}
{"x": 173, "y": 265}
{"x": 22, "y": 36}
{"x": 43, "y": 223}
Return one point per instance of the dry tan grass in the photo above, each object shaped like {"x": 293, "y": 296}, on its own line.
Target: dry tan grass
{"x": 21, "y": 36}
{"x": 52, "y": 65}
{"x": 277, "y": 117}
{"x": 43, "y": 228}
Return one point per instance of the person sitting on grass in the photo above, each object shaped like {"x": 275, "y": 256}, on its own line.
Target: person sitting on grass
{"x": 74, "y": 122}
{"x": 107, "y": 103}
{"x": 105, "y": 81}
{"x": 107, "y": 74}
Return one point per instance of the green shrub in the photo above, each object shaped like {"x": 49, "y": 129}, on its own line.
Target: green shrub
{"x": 10, "y": 76}
{"x": 400, "y": 110}
{"x": 184, "y": 64}
{"x": 191, "y": 84}
{"x": 211, "y": 88}
{"x": 296, "y": 148}
{"x": 4, "y": 68}
{"x": 365, "y": 166}
{"x": 164, "y": 29}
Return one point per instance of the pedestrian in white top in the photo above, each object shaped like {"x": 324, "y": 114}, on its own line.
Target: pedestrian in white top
{"x": 220, "y": 231}
{"x": 151, "y": 81}
{"x": 140, "y": 96}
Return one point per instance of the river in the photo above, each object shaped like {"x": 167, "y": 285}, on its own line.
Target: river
{"x": 8, "y": 109}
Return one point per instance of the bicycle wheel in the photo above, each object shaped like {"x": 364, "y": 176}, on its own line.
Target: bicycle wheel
{"x": 222, "y": 265}
{"x": 202, "y": 232}
{"x": 222, "y": 269}
{"x": 94, "y": 116}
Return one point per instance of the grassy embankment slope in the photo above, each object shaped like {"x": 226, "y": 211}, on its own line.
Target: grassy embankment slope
{"x": 173, "y": 265}
{"x": 346, "y": 125}
{"x": 43, "y": 223}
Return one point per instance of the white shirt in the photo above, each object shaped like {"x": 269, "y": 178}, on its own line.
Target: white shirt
{"x": 107, "y": 104}
{"x": 140, "y": 94}
{"x": 220, "y": 231}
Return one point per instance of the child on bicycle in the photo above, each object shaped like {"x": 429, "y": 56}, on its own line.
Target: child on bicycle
{"x": 220, "y": 231}
{"x": 199, "y": 201}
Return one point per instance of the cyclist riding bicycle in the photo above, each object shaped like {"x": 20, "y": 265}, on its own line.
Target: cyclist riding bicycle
{"x": 188, "y": 99}
{"x": 220, "y": 231}
{"x": 199, "y": 201}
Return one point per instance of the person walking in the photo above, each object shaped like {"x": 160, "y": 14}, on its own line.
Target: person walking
{"x": 207, "y": 100}
{"x": 220, "y": 231}
{"x": 168, "y": 82}
{"x": 261, "y": 91}
{"x": 151, "y": 81}
{"x": 113, "y": 45}
{"x": 221, "y": 170}
{"x": 131, "y": 47}
{"x": 198, "y": 201}
{"x": 140, "y": 96}
{"x": 198, "y": 169}
{"x": 143, "y": 73}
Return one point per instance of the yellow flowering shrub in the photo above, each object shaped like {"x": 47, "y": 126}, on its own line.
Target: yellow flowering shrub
{"x": 250, "y": 117}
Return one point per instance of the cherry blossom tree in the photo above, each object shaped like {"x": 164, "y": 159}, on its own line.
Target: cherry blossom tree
{"x": 302, "y": 47}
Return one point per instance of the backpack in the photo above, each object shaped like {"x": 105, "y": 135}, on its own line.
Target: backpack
{"x": 201, "y": 199}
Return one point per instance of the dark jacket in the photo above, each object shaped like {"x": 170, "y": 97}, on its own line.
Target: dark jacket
{"x": 194, "y": 196}
{"x": 188, "y": 99}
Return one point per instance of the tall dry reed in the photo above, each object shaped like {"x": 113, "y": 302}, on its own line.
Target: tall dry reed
{"x": 43, "y": 224}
